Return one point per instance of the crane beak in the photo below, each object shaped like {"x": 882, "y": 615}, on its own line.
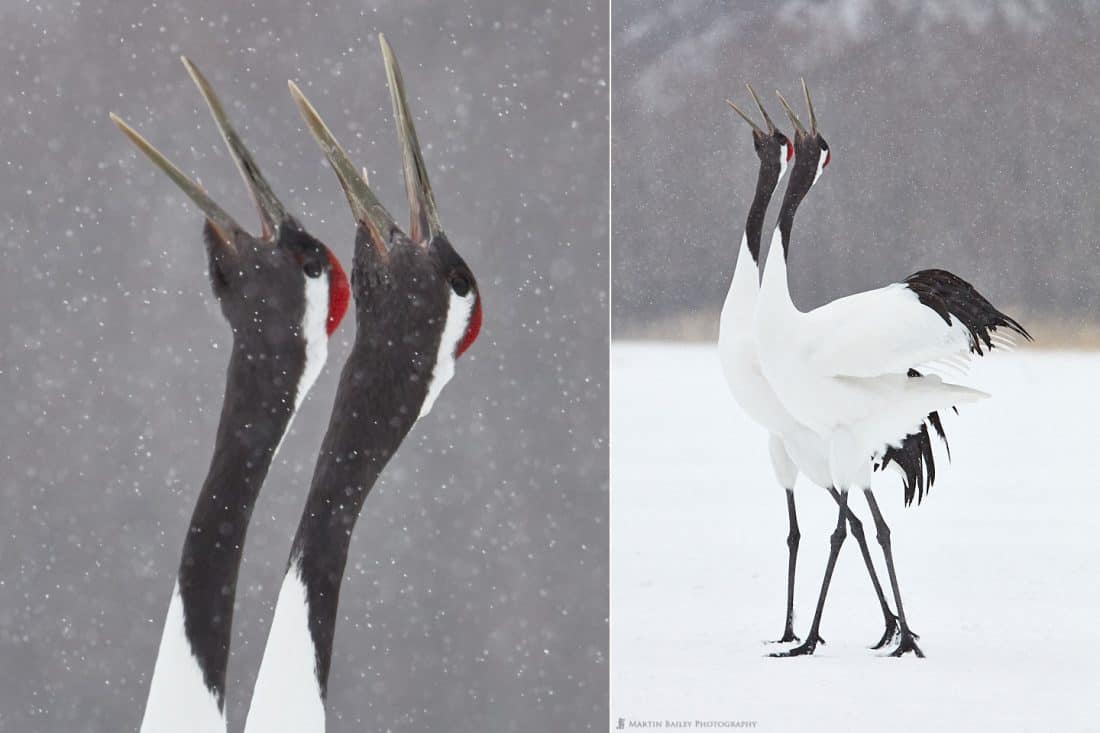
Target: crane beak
{"x": 365, "y": 206}
{"x": 425, "y": 225}
{"x": 810, "y": 107}
{"x": 272, "y": 213}
{"x": 791, "y": 115}
{"x": 745, "y": 117}
{"x": 759, "y": 106}
{"x": 223, "y": 223}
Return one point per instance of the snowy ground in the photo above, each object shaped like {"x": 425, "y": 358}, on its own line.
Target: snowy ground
{"x": 998, "y": 567}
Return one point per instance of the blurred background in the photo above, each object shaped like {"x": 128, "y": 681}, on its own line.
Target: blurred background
{"x": 964, "y": 135}
{"x": 476, "y": 596}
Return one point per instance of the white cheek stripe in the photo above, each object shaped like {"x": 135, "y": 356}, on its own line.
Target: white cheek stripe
{"x": 314, "y": 333}
{"x": 821, "y": 165}
{"x": 314, "y": 323}
{"x": 458, "y": 317}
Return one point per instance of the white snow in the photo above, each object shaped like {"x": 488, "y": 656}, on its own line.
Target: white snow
{"x": 997, "y": 567}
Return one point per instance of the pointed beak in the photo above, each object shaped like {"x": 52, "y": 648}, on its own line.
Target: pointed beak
{"x": 760, "y": 106}
{"x": 272, "y": 213}
{"x": 227, "y": 228}
{"x": 791, "y": 115}
{"x": 365, "y": 206}
{"x": 425, "y": 224}
{"x": 810, "y": 107}
{"x": 745, "y": 117}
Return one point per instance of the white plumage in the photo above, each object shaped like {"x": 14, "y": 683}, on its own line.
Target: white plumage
{"x": 854, "y": 371}
{"x": 792, "y": 446}
{"x": 844, "y": 366}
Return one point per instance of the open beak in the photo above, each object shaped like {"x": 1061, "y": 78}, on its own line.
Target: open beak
{"x": 425, "y": 216}
{"x": 810, "y": 107}
{"x": 759, "y": 106}
{"x": 272, "y": 213}
{"x": 755, "y": 127}
{"x": 790, "y": 114}
{"x": 227, "y": 228}
{"x": 771, "y": 126}
{"x": 365, "y": 206}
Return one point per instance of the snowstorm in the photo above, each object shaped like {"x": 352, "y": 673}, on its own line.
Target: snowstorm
{"x": 475, "y": 596}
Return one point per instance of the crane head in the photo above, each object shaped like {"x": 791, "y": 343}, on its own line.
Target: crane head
{"x": 808, "y": 143}
{"x": 282, "y": 291}
{"x": 418, "y": 305}
{"x": 772, "y": 147}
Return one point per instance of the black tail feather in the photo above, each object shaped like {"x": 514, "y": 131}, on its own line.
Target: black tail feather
{"x": 934, "y": 419}
{"x": 949, "y": 295}
{"x": 914, "y": 456}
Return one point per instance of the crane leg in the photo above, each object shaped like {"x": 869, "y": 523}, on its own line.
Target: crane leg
{"x": 835, "y": 542}
{"x": 793, "y": 537}
{"x": 908, "y": 640}
{"x": 888, "y": 616}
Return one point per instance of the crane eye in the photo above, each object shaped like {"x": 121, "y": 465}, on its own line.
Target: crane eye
{"x": 460, "y": 285}
{"x": 313, "y": 269}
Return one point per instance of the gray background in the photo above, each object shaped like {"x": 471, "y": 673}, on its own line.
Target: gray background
{"x": 964, "y": 135}
{"x": 476, "y": 596}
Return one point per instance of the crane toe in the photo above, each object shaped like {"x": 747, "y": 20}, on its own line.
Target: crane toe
{"x": 907, "y": 644}
{"x": 889, "y": 634}
{"x": 806, "y": 648}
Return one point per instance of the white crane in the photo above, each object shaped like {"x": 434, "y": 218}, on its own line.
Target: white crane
{"x": 848, "y": 370}
{"x": 793, "y": 447}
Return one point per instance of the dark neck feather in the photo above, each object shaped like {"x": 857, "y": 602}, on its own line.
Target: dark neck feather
{"x": 801, "y": 179}
{"x": 257, "y": 407}
{"x": 766, "y": 181}
{"x": 376, "y": 406}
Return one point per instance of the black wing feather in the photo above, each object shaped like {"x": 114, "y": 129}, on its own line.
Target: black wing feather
{"x": 951, "y": 296}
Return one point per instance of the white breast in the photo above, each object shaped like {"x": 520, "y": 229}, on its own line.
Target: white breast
{"x": 287, "y": 695}
{"x": 179, "y": 700}
{"x": 752, "y": 392}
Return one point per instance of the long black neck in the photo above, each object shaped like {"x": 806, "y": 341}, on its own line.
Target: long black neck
{"x": 257, "y": 408}
{"x": 766, "y": 181}
{"x": 376, "y": 406}
{"x": 801, "y": 180}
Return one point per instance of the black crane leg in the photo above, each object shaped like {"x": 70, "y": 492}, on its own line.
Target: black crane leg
{"x": 835, "y": 542}
{"x": 793, "y": 537}
{"x": 888, "y": 616}
{"x": 908, "y": 640}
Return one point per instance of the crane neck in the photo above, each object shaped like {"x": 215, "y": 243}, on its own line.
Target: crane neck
{"x": 802, "y": 179}
{"x": 190, "y": 673}
{"x": 256, "y": 412}
{"x": 791, "y": 201}
{"x": 378, "y": 400}
{"x": 766, "y": 182}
